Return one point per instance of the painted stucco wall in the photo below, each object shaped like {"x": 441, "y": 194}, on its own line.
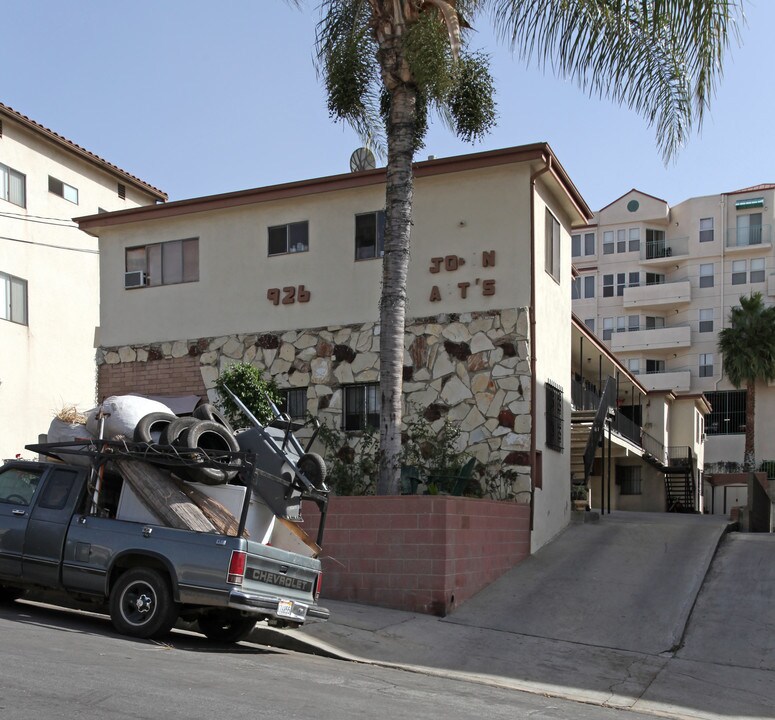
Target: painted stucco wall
{"x": 49, "y": 363}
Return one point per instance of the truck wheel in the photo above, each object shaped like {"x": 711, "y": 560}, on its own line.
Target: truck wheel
{"x": 225, "y": 626}
{"x": 141, "y": 604}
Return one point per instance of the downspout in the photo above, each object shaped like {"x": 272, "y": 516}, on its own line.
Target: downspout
{"x": 722, "y": 283}
{"x": 533, "y": 398}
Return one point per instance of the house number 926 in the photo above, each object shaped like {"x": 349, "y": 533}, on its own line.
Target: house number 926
{"x": 288, "y": 295}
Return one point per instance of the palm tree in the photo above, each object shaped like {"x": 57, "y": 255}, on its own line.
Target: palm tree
{"x": 387, "y": 63}
{"x": 748, "y": 349}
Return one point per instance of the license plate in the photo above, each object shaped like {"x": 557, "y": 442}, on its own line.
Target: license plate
{"x": 288, "y": 608}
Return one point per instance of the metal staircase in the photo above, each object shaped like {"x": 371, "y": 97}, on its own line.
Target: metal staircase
{"x": 680, "y": 488}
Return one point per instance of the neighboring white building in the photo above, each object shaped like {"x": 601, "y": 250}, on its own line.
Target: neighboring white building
{"x": 657, "y": 283}
{"x": 288, "y": 278}
{"x": 49, "y": 272}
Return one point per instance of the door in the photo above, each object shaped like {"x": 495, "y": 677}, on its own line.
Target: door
{"x": 48, "y": 524}
{"x": 18, "y": 484}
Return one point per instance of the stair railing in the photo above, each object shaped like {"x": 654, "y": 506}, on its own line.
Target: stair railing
{"x": 605, "y": 410}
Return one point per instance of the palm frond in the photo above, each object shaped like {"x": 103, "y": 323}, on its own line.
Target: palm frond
{"x": 660, "y": 57}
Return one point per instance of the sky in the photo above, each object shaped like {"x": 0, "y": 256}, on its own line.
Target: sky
{"x": 199, "y": 97}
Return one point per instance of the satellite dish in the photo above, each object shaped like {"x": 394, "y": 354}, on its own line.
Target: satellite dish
{"x": 362, "y": 159}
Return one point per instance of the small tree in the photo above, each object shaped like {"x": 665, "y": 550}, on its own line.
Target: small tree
{"x": 246, "y": 382}
{"x": 748, "y": 348}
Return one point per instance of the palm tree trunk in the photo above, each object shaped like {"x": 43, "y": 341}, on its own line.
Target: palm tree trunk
{"x": 395, "y": 264}
{"x": 749, "y": 456}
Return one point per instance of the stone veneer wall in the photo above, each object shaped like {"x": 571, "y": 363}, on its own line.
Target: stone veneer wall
{"x": 473, "y": 368}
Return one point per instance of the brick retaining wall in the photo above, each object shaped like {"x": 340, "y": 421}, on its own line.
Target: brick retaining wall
{"x": 417, "y": 553}
{"x": 163, "y": 376}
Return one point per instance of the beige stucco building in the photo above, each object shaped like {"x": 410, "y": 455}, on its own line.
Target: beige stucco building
{"x": 288, "y": 277}
{"x": 49, "y": 272}
{"x": 656, "y": 283}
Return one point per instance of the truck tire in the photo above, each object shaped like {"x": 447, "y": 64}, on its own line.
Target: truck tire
{"x": 141, "y": 604}
{"x": 225, "y": 626}
{"x": 208, "y": 411}
{"x": 175, "y": 432}
{"x": 314, "y": 468}
{"x": 211, "y": 436}
{"x": 152, "y": 423}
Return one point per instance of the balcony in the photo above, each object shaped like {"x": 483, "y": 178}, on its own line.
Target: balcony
{"x": 673, "y": 380}
{"x": 756, "y": 237}
{"x": 678, "y": 336}
{"x": 664, "y": 252}
{"x": 644, "y": 296}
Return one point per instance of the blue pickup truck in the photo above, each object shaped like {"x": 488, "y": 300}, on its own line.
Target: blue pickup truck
{"x": 54, "y": 536}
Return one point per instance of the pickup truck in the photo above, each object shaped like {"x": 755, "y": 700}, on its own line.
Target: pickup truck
{"x": 54, "y": 536}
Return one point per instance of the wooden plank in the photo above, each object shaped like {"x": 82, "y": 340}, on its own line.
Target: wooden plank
{"x": 219, "y": 515}
{"x": 157, "y": 491}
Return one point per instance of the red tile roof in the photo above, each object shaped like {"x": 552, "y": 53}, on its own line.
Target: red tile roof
{"x": 82, "y": 152}
{"x": 754, "y": 188}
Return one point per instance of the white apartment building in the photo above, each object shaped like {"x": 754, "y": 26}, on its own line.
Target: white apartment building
{"x": 656, "y": 283}
{"x": 49, "y": 272}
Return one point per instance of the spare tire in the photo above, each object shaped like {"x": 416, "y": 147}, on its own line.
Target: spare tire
{"x": 174, "y": 433}
{"x": 151, "y": 427}
{"x": 208, "y": 411}
{"x": 314, "y": 468}
{"x": 211, "y": 436}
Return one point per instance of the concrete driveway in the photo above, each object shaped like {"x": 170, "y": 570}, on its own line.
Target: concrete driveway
{"x": 627, "y": 582}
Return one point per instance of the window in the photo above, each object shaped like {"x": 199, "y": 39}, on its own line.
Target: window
{"x": 589, "y": 286}
{"x": 739, "y": 270}
{"x": 290, "y": 238}
{"x": 706, "y": 229}
{"x": 552, "y": 246}
{"x": 583, "y": 287}
{"x": 370, "y": 235}
{"x": 608, "y": 242}
{"x": 706, "y": 275}
{"x": 17, "y": 485}
{"x": 621, "y": 241}
{"x": 634, "y": 239}
{"x": 654, "y": 323}
{"x": 122, "y": 191}
{"x": 554, "y": 413}
{"x": 757, "y": 270}
{"x": 749, "y": 229}
{"x": 633, "y": 323}
{"x": 727, "y": 416}
{"x": 589, "y": 243}
{"x": 608, "y": 285}
{"x": 361, "y": 406}
{"x": 621, "y": 283}
{"x": 167, "y": 263}
{"x": 621, "y": 324}
{"x": 57, "y": 187}
{"x": 13, "y": 186}
{"x": 13, "y": 299}
{"x": 608, "y": 328}
{"x": 575, "y": 289}
{"x": 706, "y": 364}
{"x": 654, "y": 278}
{"x": 628, "y": 479}
{"x": 590, "y": 323}
{"x": 633, "y": 365}
{"x": 295, "y": 403}
{"x": 706, "y": 320}
{"x": 634, "y": 279}
{"x": 575, "y": 245}
{"x": 655, "y": 366}
{"x": 655, "y": 244}
{"x": 57, "y": 490}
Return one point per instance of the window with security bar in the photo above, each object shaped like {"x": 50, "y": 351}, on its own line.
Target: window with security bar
{"x": 361, "y": 406}
{"x": 554, "y": 416}
{"x": 727, "y": 416}
{"x": 295, "y": 403}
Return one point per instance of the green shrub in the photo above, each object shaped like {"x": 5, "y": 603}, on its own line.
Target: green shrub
{"x": 246, "y": 382}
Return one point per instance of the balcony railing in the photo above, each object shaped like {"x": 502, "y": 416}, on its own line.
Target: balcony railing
{"x": 584, "y": 396}
{"x": 651, "y": 295}
{"x": 627, "y": 428}
{"x": 644, "y": 338}
{"x": 744, "y": 237}
{"x": 665, "y": 248}
{"x": 653, "y": 449}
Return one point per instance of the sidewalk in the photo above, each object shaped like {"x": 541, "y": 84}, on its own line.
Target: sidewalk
{"x": 485, "y": 641}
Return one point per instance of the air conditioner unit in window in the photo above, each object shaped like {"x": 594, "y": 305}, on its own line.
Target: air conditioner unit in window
{"x": 134, "y": 279}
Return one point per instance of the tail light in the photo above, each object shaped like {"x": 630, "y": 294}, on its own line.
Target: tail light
{"x": 237, "y": 565}
{"x": 318, "y": 585}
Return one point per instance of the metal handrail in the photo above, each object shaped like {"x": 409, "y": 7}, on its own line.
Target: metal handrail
{"x": 606, "y": 407}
